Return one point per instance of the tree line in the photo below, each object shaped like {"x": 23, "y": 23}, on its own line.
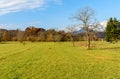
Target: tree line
{"x": 40, "y": 34}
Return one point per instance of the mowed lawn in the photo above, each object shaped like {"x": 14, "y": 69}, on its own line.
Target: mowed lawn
{"x": 49, "y": 60}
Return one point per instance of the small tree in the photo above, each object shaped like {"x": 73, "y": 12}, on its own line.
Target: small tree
{"x": 20, "y": 36}
{"x": 71, "y": 29}
{"x": 86, "y": 17}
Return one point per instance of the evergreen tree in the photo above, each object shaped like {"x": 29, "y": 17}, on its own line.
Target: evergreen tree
{"x": 109, "y": 30}
{"x": 113, "y": 30}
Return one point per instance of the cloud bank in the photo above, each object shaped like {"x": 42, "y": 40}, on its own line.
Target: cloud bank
{"x": 9, "y": 6}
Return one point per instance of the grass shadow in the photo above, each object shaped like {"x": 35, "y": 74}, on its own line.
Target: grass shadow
{"x": 3, "y": 43}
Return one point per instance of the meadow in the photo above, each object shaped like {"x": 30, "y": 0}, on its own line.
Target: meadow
{"x": 59, "y": 60}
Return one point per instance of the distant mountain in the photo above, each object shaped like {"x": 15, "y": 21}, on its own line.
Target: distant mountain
{"x": 79, "y": 31}
{"x": 104, "y": 23}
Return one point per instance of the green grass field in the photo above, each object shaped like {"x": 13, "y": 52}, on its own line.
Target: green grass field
{"x": 49, "y": 60}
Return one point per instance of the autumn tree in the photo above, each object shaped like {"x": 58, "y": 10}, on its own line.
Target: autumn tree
{"x": 41, "y": 36}
{"x": 5, "y": 36}
{"x": 50, "y": 35}
{"x": 57, "y": 37}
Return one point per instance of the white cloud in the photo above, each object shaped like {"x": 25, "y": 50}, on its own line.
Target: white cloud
{"x": 8, "y": 6}
{"x": 19, "y": 26}
{"x": 9, "y": 26}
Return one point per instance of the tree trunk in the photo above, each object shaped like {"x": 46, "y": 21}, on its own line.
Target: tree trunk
{"x": 88, "y": 40}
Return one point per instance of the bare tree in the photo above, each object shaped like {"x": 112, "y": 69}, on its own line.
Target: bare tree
{"x": 20, "y": 36}
{"x": 71, "y": 29}
{"x": 86, "y": 17}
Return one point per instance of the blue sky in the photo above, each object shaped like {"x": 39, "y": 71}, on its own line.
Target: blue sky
{"x": 52, "y": 13}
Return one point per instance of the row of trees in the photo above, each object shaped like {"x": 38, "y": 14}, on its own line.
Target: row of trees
{"x": 40, "y": 34}
{"x": 113, "y": 30}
